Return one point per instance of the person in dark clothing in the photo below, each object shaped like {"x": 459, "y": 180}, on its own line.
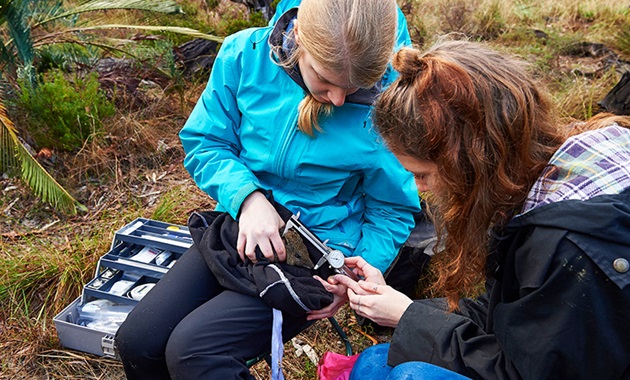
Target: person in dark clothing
{"x": 541, "y": 212}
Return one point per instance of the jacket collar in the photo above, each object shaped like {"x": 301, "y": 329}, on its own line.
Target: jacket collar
{"x": 282, "y": 47}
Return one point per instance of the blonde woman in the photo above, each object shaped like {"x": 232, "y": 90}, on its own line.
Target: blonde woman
{"x": 286, "y": 110}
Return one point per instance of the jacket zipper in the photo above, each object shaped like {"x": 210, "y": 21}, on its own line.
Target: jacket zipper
{"x": 281, "y": 158}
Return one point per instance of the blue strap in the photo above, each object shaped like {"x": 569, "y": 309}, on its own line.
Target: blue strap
{"x": 277, "y": 347}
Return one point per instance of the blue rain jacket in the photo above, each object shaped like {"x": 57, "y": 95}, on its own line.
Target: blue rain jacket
{"x": 242, "y": 136}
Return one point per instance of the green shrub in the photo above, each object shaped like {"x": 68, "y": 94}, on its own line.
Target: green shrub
{"x": 231, "y": 26}
{"x": 63, "y": 114}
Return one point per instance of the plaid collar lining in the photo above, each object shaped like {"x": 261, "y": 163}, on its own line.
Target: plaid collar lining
{"x": 589, "y": 164}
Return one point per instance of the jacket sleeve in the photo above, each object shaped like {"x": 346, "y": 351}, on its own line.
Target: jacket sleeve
{"x": 428, "y": 333}
{"x": 391, "y": 198}
{"x": 210, "y": 137}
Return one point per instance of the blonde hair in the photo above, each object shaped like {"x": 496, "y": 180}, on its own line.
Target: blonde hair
{"x": 350, "y": 36}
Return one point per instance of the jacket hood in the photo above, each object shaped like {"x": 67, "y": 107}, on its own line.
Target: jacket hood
{"x": 604, "y": 217}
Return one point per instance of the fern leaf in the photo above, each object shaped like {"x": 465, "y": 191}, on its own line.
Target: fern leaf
{"x": 14, "y": 157}
{"x": 154, "y": 28}
{"x": 8, "y": 159}
{"x": 162, "y": 6}
{"x": 15, "y": 14}
{"x": 19, "y": 30}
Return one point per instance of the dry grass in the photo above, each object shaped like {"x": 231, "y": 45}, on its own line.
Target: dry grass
{"x": 134, "y": 169}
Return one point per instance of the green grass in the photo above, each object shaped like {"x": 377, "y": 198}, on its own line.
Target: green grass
{"x": 170, "y": 207}
{"x": 577, "y": 96}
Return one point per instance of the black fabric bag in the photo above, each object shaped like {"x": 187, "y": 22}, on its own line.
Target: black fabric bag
{"x": 289, "y": 288}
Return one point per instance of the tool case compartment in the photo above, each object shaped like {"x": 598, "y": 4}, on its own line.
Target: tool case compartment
{"x": 140, "y": 254}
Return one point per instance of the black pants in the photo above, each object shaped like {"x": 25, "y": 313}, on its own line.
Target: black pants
{"x": 189, "y": 327}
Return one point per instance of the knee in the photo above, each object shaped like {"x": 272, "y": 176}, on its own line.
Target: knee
{"x": 372, "y": 363}
{"x": 179, "y": 346}
{"x": 375, "y": 354}
{"x": 128, "y": 343}
{"x": 422, "y": 371}
{"x": 137, "y": 345}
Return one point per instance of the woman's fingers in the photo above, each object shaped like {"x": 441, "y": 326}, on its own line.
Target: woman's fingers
{"x": 348, "y": 282}
{"x": 278, "y": 247}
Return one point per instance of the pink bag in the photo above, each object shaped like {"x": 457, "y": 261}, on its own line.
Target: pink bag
{"x": 334, "y": 366}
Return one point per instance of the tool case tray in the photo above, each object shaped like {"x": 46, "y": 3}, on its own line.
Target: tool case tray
{"x": 140, "y": 254}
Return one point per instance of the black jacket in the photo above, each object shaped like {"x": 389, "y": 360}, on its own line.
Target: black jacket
{"x": 558, "y": 306}
{"x": 290, "y": 288}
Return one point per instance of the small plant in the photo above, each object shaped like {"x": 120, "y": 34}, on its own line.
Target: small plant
{"x": 582, "y": 13}
{"x": 456, "y": 15}
{"x": 577, "y": 96}
{"x": 212, "y": 4}
{"x": 231, "y": 26}
{"x": 16, "y": 160}
{"x": 170, "y": 207}
{"x": 489, "y": 21}
{"x": 63, "y": 114}
{"x": 623, "y": 38}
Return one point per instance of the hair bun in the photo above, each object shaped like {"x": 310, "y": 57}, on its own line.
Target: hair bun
{"x": 408, "y": 62}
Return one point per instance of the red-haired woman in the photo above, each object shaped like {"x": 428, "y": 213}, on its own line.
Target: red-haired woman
{"x": 541, "y": 212}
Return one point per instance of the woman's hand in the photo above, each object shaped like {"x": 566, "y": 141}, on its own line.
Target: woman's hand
{"x": 372, "y": 298}
{"x": 340, "y": 297}
{"x": 361, "y": 267}
{"x": 380, "y": 303}
{"x": 259, "y": 225}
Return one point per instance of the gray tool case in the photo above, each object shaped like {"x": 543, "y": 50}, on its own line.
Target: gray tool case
{"x": 140, "y": 254}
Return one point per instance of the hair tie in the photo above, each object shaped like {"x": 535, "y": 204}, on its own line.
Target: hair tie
{"x": 409, "y": 63}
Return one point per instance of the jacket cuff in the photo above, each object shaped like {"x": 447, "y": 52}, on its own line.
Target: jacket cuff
{"x": 239, "y": 198}
{"x": 415, "y": 336}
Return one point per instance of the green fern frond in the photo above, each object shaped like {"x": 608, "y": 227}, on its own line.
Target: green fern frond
{"x": 8, "y": 159}
{"x": 19, "y": 30}
{"x": 172, "y": 29}
{"x": 15, "y": 158}
{"x": 163, "y": 6}
{"x": 43, "y": 185}
{"x": 15, "y": 16}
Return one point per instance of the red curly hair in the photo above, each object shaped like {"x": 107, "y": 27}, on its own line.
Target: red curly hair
{"x": 490, "y": 130}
